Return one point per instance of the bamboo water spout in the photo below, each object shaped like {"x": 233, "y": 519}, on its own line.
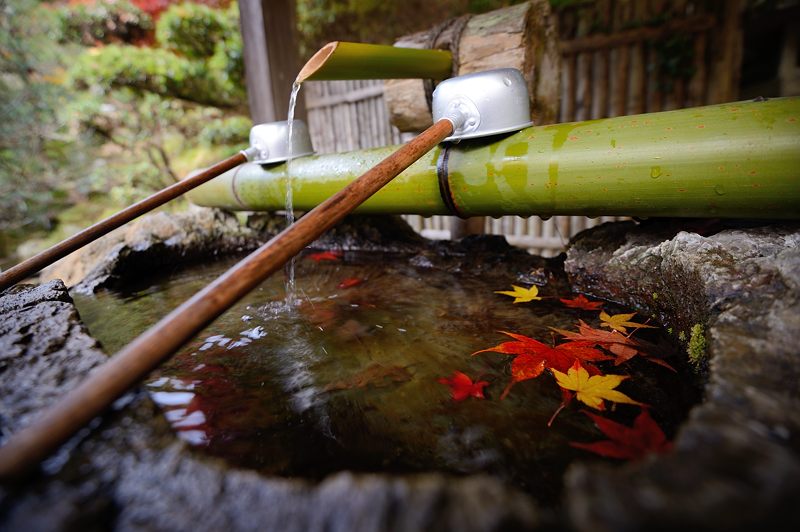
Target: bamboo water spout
{"x": 347, "y": 60}
{"x": 736, "y": 160}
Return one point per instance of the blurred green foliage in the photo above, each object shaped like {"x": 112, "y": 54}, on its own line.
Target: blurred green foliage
{"x": 157, "y": 71}
{"x": 193, "y": 30}
{"x": 229, "y": 130}
{"x": 104, "y": 22}
{"x": 35, "y": 143}
{"x": 199, "y": 60}
{"x": 99, "y": 106}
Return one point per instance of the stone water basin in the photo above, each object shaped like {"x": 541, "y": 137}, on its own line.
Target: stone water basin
{"x": 347, "y": 377}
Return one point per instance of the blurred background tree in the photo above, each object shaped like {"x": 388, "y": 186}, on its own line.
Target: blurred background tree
{"x": 104, "y": 101}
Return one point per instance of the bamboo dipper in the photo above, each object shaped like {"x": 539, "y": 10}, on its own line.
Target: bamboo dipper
{"x": 25, "y": 449}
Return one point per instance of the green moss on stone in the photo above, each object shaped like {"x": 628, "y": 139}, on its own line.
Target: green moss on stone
{"x": 697, "y": 345}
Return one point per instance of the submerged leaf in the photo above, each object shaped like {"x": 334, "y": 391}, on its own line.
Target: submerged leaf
{"x": 373, "y": 376}
{"x": 619, "y": 322}
{"x": 325, "y": 255}
{"x": 350, "y": 282}
{"x": 461, "y": 386}
{"x": 522, "y": 295}
{"x": 580, "y": 301}
{"x": 592, "y": 390}
{"x": 627, "y": 443}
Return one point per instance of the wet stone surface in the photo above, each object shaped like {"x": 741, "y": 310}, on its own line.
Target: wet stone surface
{"x": 735, "y": 464}
{"x": 129, "y": 472}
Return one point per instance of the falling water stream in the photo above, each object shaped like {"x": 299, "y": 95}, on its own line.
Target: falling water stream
{"x": 289, "y": 204}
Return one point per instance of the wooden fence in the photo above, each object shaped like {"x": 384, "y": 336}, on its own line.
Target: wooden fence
{"x": 617, "y": 59}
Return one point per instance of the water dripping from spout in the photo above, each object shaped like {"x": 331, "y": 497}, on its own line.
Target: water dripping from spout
{"x": 289, "y": 203}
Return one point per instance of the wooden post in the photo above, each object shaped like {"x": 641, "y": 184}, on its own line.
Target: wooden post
{"x": 521, "y": 36}
{"x": 271, "y": 60}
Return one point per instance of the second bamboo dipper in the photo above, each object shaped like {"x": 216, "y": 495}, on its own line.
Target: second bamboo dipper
{"x": 28, "y": 447}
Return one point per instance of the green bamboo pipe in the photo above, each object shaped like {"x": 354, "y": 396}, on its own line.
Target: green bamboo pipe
{"x": 349, "y": 60}
{"x": 737, "y": 160}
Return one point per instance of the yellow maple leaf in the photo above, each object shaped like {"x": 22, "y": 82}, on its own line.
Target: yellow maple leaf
{"x": 619, "y": 322}
{"x": 522, "y": 295}
{"x": 592, "y": 390}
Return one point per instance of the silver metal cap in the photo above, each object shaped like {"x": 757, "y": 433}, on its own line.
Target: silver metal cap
{"x": 487, "y": 103}
{"x": 269, "y": 141}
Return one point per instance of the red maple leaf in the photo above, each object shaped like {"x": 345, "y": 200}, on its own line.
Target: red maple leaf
{"x": 623, "y": 347}
{"x": 533, "y": 356}
{"x": 581, "y": 302}
{"x": 560, "y": 357}
{"x": 627, "y": 443}
{"x": 325, "y": 255}
{"x": 524, "y": 367}
{"x": 350, "y": 282}
{"x": 462, "y": 386}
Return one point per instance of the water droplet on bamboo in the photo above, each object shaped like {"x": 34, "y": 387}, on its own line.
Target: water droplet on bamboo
{"x": 655, "y": 172}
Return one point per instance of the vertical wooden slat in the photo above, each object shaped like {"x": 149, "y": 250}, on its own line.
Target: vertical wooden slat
{"x": 640, "y": 80}
{"x": 697, "y": 87}
{"x": 586, "y": 97}
{"x": 572, "y": 90}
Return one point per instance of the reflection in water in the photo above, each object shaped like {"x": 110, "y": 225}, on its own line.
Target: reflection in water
{"x": 347, "y": 377}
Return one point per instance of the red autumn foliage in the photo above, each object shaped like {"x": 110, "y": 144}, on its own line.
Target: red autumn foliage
{"x": 623, "y": 347}
{"x": 580, "y": 301}
{"x": 532, "y": 357}
{"x": 325, "y": 255}
{"x": 627, "y": 443}
{"x": 350, "y": 282}
{"x": 462, "y": 387}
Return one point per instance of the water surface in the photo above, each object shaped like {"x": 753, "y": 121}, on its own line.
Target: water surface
{"x": 346, "y": 378}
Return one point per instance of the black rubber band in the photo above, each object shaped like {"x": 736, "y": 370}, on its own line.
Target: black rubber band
{"x": 233, "y": 186}
{"x": 443, "y": 175}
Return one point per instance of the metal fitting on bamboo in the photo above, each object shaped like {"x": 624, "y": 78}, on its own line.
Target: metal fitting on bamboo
{"x": 736, "y": 160}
